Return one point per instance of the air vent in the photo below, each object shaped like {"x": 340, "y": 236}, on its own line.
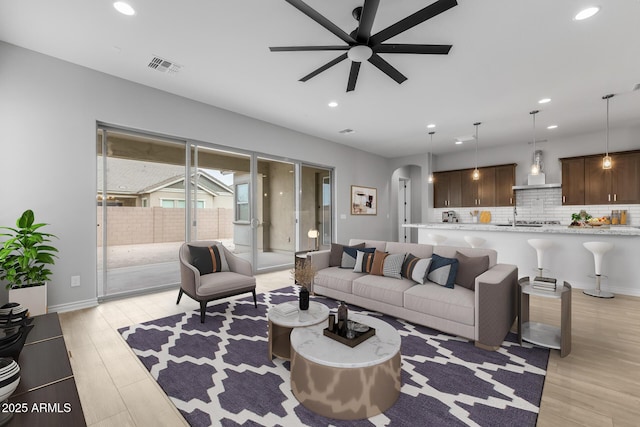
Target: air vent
{"x": 164, "y": 65}
{"x": 347, "y": 131}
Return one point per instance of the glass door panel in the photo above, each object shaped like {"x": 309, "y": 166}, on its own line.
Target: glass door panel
{"x": 315, "y": 208}
{"x": 273, "y": 215}
{"x": 140, "y": 210}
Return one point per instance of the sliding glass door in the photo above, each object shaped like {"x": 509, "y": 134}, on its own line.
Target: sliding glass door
{"x": 315, "y": 208}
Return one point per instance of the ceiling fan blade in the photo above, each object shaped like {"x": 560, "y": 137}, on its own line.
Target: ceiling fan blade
{"x": 313, "y": 14}
{"x": 353, "y": 76}
{"x": 387, "y": 68}
{"x": 366, "y": 20}
{"x": 306, "y": 48}
{"x": 433, "y": 49}
{"x": 324, "y": 67}
{"x": 411, "y": 21}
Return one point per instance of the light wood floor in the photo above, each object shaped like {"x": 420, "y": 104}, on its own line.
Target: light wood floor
{"x": 598, "y": 384}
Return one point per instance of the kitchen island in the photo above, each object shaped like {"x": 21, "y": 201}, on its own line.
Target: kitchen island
{"x": 568, "y": 260}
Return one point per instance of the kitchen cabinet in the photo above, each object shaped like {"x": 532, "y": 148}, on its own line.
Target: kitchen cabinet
{"x": 618, "y": 185}
{"x": 505, "y": 180}
{"x": 573, "y": 181}
{"x": 458, "y": 189}
{"x": 481, "y": 192}
{"x": 447, "y": 189}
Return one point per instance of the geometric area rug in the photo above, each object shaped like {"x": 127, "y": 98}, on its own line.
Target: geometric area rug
{"x": 218, "y": 373}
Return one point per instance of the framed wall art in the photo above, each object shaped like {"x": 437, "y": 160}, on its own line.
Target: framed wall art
{"x": 364, "y": 200}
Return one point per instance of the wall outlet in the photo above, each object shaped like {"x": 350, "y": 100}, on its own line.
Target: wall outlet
{"x": 75, "y": 281}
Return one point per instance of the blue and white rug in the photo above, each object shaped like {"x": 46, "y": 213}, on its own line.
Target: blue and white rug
{"x": 219, "y": 373}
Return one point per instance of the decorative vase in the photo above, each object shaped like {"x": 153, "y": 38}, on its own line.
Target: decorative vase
{"x": 343, "y": 315}
{"x": 304, "y": 298}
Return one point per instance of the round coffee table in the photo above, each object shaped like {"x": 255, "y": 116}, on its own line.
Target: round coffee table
{"x": 281, "y": 325}
{"x": 338, "y": 381}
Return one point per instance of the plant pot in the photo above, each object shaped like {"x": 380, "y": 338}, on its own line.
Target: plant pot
{"x": 33, "y": 298}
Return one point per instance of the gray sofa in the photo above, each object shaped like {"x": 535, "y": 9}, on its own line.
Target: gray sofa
{"x": 484, "y": 315}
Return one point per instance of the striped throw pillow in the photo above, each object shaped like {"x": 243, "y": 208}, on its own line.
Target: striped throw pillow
{"x": 415, "y": 268}
{"x": 208, "y": 259}
{"x": 364, "y": 261}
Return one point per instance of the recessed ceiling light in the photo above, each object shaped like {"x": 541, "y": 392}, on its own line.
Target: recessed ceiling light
{"x": 124, "y": 8}
{"x": 552, "y": 127}
{"x": 332, "y": 104}
{"x": 586, "y": 13}
{"x": 544, "y": 100}
{"x": 458, "y": 142}
{"x": 431, "y": 126}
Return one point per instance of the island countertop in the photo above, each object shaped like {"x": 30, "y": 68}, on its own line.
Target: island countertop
{"x": 614, "y": 230}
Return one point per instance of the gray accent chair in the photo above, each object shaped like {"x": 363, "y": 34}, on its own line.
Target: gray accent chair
{"x": 209, "y": 287}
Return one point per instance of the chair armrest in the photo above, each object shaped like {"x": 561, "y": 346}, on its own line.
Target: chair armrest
{"x": 495, "y": 300}
{"x": 189, "y": 277}
{"x": 237, "y": 264}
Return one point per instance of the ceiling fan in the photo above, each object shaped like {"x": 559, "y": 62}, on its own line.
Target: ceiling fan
{"x": 362, "y": 46}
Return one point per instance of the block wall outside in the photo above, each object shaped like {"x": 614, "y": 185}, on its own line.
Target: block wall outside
{"x": 137, "y": 225}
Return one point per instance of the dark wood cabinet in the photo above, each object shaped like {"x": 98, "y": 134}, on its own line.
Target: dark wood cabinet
{"x": 597, "y": 186}
{"x": 447, "y": 189}
{"x": 458, "y": 189}
{"x": 573, "y": 181}
{"x": 505, "y": 180}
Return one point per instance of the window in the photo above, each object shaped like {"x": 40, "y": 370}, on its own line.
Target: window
{"x": 177, "y": 203}
{"x": 242, "y": 202}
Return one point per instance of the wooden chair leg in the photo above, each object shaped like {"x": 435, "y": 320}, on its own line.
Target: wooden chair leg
{"x": 255, "y": 302}
{"x": 179, "y": 296}
{"x": 203, "y": 310}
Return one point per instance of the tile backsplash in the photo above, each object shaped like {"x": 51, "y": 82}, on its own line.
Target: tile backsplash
{"x": 541, "y": 205}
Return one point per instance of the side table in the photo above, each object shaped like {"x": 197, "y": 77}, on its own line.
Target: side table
{"x": 280, "y": 326}
{"x": 542, "y": 334}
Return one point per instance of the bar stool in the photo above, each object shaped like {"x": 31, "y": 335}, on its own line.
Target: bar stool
{"x": 474, "y": 242}
{"x": 598, "y": 249}
{"x": 540, "y": 245}
{"x": 436, "y": 239}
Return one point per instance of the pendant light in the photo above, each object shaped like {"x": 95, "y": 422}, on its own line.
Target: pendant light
{"x": 535, "y": 166}
{"x": 476, "y": 173}
{"x": 430, "y": 179}
{"x": 606, "y": 160}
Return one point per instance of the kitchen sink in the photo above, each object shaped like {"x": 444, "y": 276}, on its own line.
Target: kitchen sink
{"x": 519, "y": 225}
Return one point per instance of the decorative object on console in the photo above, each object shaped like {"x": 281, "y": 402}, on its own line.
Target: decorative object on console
{"x": 362, "y": 46}
{"x": 343, "y": 316}
{"x": 9, "y": 380}
{"x": 13, "y": 341}
{"x": 364, "y": 200}
{"x": 606, "y": 160}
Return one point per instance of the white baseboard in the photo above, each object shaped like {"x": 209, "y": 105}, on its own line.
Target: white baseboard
{"x": 77, "y": 305}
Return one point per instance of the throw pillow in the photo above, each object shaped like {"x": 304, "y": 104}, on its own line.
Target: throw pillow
{"x": 392, "y": 265}
{"x": 470, "y": 268}
{"x": 443, "y": 270}
{"x": 415, "y": 268}
{"x": 349, "y": 255}
{"x": 208, "y": 259}
{"x": 364, "y": 260}
{"x": 335, "y": 256}
{"x": 378, "y": 262}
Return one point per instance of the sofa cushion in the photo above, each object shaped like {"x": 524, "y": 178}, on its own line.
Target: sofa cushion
{"x": 336, "y": 278}
{"x": 335, "y": 256}
{"x": 417, "y": 249}
{"x": 443, "y": 270}
{"x": 392, "y": 265}
{"x": 382, "y": 289}
{"x": 350, "y": 254}
{"x": 415, "y": 268}
{"x": 456, "y": 305}
{"x": 469, "y": 268}
{"x": 364, "y": 260}
{"x": 208, "y": 259}
{"x": 224, "y": 282}
{"x": 378, "y": 263}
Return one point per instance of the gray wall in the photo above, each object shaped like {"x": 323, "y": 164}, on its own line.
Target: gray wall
{"x": 48, "y": 114}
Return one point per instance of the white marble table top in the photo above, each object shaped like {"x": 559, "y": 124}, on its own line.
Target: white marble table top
{"x": 316, "y": 313}
{"x": 311, "y": 344}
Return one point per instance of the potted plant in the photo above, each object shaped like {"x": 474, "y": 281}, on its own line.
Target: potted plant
{"x": 24, "y": 262}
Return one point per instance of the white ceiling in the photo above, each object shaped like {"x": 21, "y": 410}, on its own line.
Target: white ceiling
{"x": 506, "y": 55}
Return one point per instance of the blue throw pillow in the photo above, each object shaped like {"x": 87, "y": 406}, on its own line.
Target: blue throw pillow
{"x": 443, "y": 270}
{"x": 350, "y": 254}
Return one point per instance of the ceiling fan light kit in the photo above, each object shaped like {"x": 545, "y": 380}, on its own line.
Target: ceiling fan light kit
{"x": 361, "y": 46}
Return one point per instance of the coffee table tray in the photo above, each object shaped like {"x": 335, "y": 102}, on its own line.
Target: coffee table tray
{"x": 351, "y": 342}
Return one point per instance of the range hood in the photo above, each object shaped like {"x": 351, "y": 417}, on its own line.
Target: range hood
{"x": 537, "y": 181}
{"x": 535, "y": 186}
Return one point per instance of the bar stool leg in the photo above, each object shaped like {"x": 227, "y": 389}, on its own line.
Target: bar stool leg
{"x": 598, "y": 249}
